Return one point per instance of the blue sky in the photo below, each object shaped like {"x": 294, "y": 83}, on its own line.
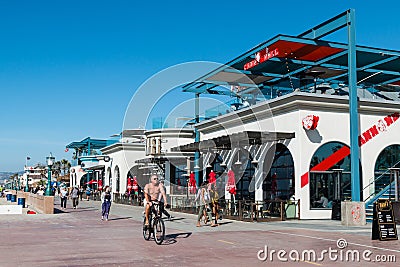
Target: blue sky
{"x": 68, "y": 69}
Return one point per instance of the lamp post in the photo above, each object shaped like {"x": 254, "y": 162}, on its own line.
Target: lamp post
{"x": 27, "y": 180}
{"x": 50, "y": 160}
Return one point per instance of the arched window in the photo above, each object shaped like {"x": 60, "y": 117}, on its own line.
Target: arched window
{"x": 388, "y": 158}
{"x": 279, "y": 182}
{"x": 109, "y": 176}
{"x": 244, "y": 171}
{"x": 330, "y": 177}
{"x": 117, "y": 179}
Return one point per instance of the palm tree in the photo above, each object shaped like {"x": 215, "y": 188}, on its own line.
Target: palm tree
{"x": 56, "y": 169}
{"x": 65, "y": 166}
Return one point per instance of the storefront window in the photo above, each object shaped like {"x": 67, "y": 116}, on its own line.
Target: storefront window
{"x": 178, "y": 178}
{"x": 330, "y": 184}
{"x": 243, "y": 166}
{"x": 117, "y": 179}
{"x": 388, "y": 158}
{"x": 109, "y": 176}
{"x": 279, "y": 183}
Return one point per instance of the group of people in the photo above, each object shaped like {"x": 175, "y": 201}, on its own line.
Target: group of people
{"x": 207, "y": 197}
{"x": 76, "y": 193}
{"x": 208, "y": 200}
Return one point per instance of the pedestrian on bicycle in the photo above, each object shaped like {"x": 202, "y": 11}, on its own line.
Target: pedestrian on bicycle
{"x": 152, "y": 191}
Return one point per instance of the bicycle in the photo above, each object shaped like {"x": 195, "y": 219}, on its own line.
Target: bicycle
{"x": 156, "y": 225}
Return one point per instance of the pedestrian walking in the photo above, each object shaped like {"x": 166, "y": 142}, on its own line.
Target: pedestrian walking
{"x": 63, "y": 197}
{"x": 88, "y": 192}
{"x": 204, "y": 198}
{"x": 81, "y": 191}
{"x": 75, "y": 197}
{"x": 106, "y": 199}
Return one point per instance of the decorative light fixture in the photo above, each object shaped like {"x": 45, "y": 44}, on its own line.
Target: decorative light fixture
{"x": 50, "y": 161}
{"x": 197, "y": 167}
{"x": 238, "y": 161}
{"x": 223, "y": 164}
{"x": 209, "y": 165}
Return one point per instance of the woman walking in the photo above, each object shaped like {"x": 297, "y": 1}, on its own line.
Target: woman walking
{"x": 106, "y": 199}
{"x": 63, "y": 197}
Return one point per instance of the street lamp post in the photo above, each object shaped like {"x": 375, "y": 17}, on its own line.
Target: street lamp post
{"x": 50, "y": 160}
{"x": 27, "y": 180}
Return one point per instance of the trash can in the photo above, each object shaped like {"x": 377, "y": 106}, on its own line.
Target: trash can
{"x": 21, "y": 201}
{"x": 8, "y": 196}
{"x": 13, "y": 198}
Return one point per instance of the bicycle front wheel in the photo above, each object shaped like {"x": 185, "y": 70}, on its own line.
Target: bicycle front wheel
{"x": 159, "y": 231}
{"x": 146, "y": 230}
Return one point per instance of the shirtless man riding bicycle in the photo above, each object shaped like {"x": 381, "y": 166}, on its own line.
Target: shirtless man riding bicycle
{"x": 151, "y": 192}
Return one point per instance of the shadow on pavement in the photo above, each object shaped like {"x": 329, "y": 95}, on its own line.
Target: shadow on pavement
{"x": 121, "y": 218}
{"x": 172, "y": 238}
{"x": 223, "y": 223}
{"x": 175, "y": 219}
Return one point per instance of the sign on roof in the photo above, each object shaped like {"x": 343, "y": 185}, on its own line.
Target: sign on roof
{"x": 260, "y": 57}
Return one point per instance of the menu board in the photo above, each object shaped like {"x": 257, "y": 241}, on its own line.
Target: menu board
{"x": 383, "y": 224}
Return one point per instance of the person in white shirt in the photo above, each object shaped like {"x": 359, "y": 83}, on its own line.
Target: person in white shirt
{"x": 106, "y": 199}
{"x": 63, "y": 197}
{"x": 323, "y": 201}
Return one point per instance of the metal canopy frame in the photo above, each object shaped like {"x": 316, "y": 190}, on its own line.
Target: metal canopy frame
{"x": 379, "y": 66}
{"x": 89, "y": 144}
{"x": 371, "y": 65}
{"x": 227, "y": 142}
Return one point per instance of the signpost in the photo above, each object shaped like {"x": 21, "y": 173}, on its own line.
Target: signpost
{"x": 383, "y": 224}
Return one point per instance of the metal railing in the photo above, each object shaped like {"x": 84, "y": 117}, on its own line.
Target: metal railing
{"x": 244, "y": 210}
{"x": 373, "y": 182}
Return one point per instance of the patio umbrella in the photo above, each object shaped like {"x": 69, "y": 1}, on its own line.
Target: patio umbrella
{"x": 192, "y": 183}
{"x": 212, "y": 177}
{"x": 92, "y": 182}
{"x": 129, "y": 184}
{"x": 100, "y": 185}
{"x": 231, "y": 183}
{"x": 135, "y": 185}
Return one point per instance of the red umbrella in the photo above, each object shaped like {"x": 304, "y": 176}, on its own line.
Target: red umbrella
{"x": 92, "y": 182}
{"x": 100, "y": 185}
{"x": 135, "y": 185}
{"x": 231, "y": 183}
{"x": 212, "y": 177}
{"x": 192, "y": 183}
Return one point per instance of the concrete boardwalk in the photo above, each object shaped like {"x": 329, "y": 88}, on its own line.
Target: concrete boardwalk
{"x": 79, "y": 238}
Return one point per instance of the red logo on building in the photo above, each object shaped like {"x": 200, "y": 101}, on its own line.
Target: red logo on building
{"x": 379, "y": 127}
{"x": 310, "y": 122}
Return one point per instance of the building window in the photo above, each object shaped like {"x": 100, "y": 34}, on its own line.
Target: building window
{"x": 117, "y": 179}
{"x": 388, "y": 158}
{"x": 279, "y": 182}
{"x": 334, "y": 183}
{"x": 244, "y": 168}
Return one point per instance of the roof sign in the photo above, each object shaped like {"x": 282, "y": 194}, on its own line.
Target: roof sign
{"x": 260, "y": 57}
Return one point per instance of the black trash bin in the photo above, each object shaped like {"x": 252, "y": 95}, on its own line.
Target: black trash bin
{"x": 336, "y": 210}
{"x": 13, "y": 198}
{"x": 21, "y": 201}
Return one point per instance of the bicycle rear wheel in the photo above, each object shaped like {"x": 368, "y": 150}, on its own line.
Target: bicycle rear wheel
{"x": 159, "y": 230}
{"x": 147, "y": 229}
